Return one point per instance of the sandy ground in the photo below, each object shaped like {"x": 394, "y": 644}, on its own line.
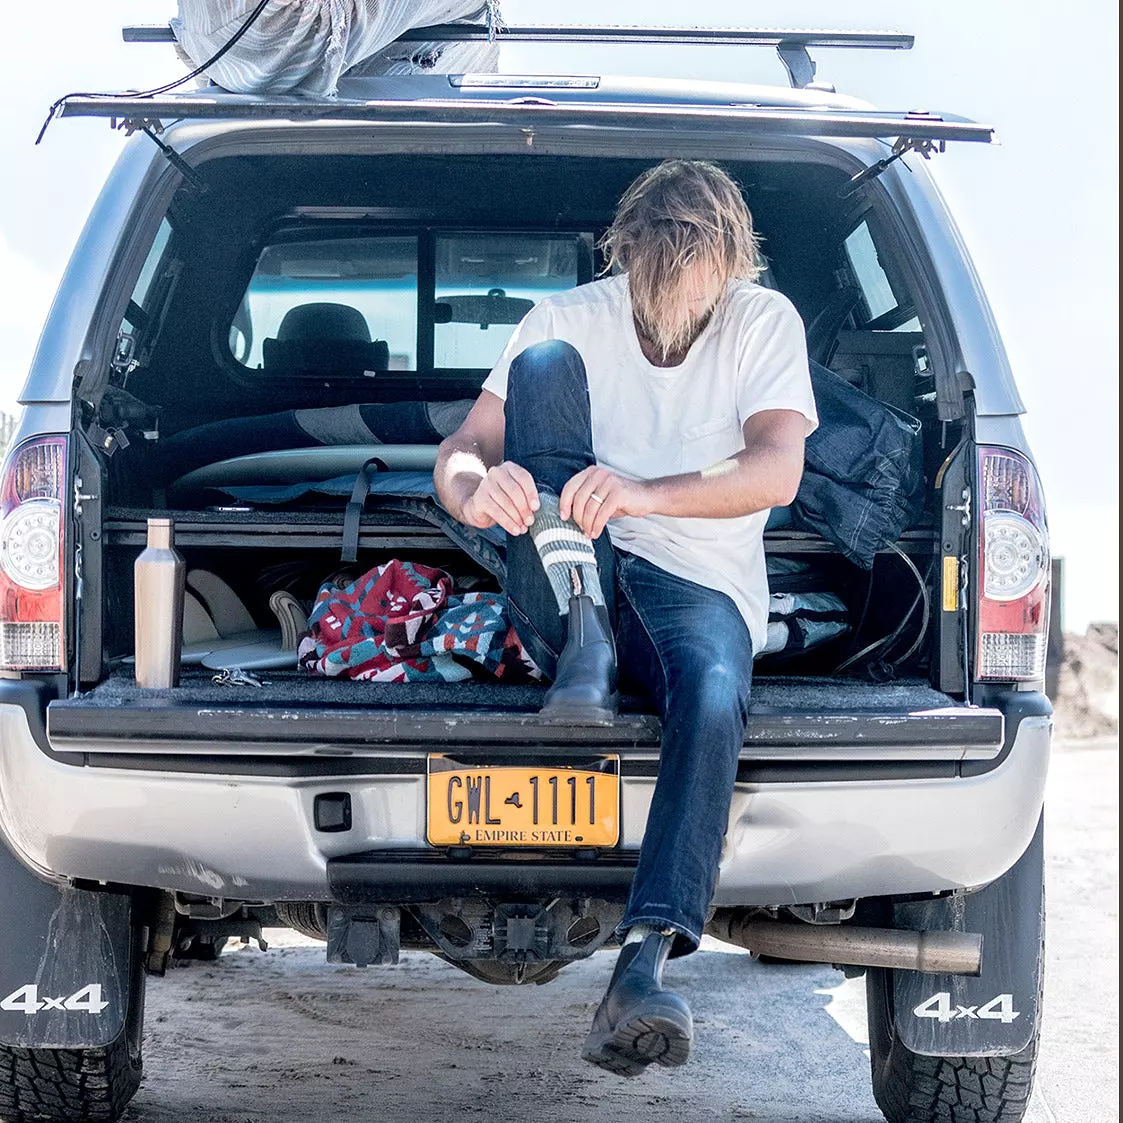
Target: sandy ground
{"x": 283, "y": 1037}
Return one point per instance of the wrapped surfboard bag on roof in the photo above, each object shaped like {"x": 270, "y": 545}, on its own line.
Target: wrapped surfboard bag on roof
{"x": 306, "y": 46}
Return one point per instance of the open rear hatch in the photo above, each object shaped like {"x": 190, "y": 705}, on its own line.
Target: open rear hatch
{"x": 470, "y": 105}
{"x": 529, "y": 101}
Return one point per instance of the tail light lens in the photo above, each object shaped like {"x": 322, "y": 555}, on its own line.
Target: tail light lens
{"x": 31, "y": 558}
{"x": 1014, "y": 568}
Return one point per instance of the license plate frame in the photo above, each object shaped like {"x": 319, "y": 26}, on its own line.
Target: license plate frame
{"x": 563, "y": 806}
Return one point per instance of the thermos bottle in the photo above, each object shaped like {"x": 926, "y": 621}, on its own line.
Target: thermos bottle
{"x": 158, "y": 579}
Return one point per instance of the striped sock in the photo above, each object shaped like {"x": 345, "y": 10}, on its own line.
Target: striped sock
{"x": 567, "y": 554}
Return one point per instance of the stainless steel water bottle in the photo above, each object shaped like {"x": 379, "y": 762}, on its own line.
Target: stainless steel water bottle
{"x": 158, "y": 579}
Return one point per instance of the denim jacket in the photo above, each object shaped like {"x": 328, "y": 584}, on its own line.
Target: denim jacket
{"x": 863, "y": 478}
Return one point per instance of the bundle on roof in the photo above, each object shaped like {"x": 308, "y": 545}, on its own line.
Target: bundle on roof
{"x": 305, "y": 46}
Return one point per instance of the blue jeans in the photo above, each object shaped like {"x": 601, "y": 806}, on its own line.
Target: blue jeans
{"x": 684, "y": 645}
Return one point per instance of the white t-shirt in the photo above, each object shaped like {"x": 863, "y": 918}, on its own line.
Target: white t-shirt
{"x": 651, "y": 421}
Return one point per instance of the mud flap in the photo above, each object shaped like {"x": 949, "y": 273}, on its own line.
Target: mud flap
{"x": 66, "y": 962}
{"x": 995, "y": 1014}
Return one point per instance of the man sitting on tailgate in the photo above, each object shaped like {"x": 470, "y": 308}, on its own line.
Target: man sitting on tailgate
{"x": 667, "y": 404}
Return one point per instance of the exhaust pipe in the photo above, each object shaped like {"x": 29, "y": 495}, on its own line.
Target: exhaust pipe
{"x": 933, "y": 952}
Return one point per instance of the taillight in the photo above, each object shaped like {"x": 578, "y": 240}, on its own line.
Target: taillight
{"x": 31, "y": 558}
{"x": 1013, "y": 567}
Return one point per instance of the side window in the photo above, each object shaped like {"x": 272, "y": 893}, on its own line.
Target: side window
{"x": 151, "y": 262}
{"x": 136, "y": 312}
{"x": 486, "y": 283}
{"x": 343, "y": 291}
{"x": 882, "y": 309}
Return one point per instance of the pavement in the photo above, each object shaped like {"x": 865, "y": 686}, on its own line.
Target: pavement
{"x": 281, "y": 1036}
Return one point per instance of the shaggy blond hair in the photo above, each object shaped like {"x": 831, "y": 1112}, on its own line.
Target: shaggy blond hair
{"x": 675, "y": 215}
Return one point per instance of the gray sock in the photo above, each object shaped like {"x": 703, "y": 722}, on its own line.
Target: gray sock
{"x": 567, "y": 554}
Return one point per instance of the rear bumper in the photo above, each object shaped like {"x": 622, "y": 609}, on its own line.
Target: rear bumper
{"x": 852, "y": 812}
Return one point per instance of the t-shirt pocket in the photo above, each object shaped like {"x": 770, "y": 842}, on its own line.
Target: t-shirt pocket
{"x": 710, "y": 441}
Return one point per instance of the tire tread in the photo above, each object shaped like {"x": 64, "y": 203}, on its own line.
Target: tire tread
{"x": 911, "y": 1088}
{"x": 64, "y": 1085}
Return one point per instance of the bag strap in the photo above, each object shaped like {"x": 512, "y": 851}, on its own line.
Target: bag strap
{"x": 476, "y": 543}
{"x": 353, "y": 514}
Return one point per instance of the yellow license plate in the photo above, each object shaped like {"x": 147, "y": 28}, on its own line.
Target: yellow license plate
{"x": 501, "y": 805}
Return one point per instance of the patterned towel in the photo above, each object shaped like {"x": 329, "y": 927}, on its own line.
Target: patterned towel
{"x": 401, "y": 622}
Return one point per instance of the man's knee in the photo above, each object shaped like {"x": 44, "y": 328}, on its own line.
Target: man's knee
{"x": 713, "y": 674}
{"x": 721, "y": 686}
{"x": 541, "y": 364}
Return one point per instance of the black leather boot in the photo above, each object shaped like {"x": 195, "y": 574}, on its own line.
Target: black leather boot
{"x": 584, "y": 688}
{"x": 638, "y": 1022}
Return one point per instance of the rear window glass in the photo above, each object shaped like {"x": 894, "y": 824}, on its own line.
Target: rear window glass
{"x": 376, "y": 277}
{"x": 428, "y": 301}
{"x": 485, "y": 284}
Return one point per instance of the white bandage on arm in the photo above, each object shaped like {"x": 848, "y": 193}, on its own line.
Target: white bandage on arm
{"x": 463, "y": 461}
{"x": 721, "y": 468}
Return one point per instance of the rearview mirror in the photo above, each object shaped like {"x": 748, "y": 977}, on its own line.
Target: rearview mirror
{"x": 494, "y": 308}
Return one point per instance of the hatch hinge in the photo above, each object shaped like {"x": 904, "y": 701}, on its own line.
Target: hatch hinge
{"x": 924, "y": 146}
{"x": 117, "y": 411}
{"x": 151, "y": 128}
{"x": 124, "y": 360}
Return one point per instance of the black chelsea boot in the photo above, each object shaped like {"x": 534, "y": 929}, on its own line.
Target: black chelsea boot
{"x": 584, "y": 689}
{"x": 638, "y": 1023}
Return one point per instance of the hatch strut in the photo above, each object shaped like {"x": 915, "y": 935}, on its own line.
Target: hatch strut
{"x": 924, "y": 145}
{"x": 150, "y": 129}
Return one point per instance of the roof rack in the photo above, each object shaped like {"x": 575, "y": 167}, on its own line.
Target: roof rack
{"x": 791, "y": 45}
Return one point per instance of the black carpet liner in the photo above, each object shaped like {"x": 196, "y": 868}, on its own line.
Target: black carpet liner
{"x": 294, "y": 688}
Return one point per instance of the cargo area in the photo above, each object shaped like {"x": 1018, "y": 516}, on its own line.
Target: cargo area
{"x": 307, "y": 318}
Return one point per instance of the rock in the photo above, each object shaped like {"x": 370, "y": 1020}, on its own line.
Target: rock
{"x": 1087, "y": 702}
{"x": 1107, "y": 635}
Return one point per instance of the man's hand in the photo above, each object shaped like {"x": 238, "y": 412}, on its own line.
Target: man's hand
{"x": 506, "y": 495}
{"x": 595, "y": 495}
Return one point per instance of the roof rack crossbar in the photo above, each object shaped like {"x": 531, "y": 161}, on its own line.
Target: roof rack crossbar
{"x": 791, "y": 45}
{"x": 689, "y": 36}
{"x": 721, "y": 36}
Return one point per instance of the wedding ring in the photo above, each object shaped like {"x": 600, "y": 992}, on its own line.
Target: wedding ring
{"x": 594, "y": 496}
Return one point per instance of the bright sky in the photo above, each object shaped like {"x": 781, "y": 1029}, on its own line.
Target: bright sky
{"x": 1039, "y": 211}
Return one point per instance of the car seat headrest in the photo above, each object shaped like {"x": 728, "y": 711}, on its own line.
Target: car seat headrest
{"x": 335, "y": 322}
{"x": 314, "y": 340}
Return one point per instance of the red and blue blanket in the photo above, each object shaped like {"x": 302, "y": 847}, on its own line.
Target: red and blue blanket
{"x": 402, "y": 622}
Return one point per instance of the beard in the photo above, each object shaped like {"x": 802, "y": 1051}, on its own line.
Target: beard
{"x": 671, "y": 335}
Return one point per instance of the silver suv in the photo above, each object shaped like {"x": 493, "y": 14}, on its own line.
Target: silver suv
{"x": 275, "y": 297}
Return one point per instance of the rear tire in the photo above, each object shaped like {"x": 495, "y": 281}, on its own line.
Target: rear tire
{"x": 912, "y": 1088}
{"x": 76, "y": 1085}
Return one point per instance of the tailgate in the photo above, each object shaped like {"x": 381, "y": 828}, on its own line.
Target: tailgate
{"x": 791, "y": 721}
